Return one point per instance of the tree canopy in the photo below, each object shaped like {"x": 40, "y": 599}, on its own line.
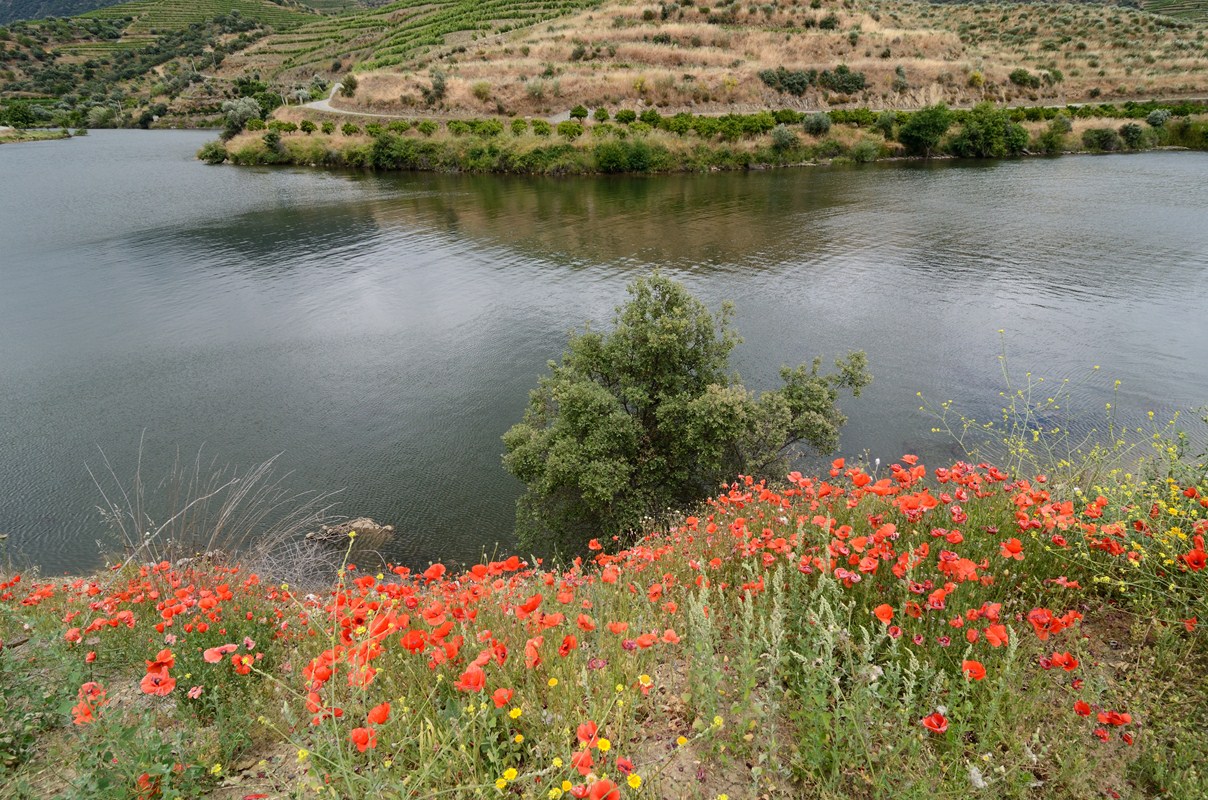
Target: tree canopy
{"x": 926, "y": 127}
{"x": 633, "y": 424}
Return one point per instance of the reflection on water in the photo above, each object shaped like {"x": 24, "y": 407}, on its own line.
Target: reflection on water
{"x": 383, "y": 331}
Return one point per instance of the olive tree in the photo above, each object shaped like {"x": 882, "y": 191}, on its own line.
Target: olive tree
{"x": 238, "y": 113}
{"x": 646, "y": 419}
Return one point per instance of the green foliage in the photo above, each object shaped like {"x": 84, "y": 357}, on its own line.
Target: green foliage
{"x": 1158, "y": 117}
{"x": 542, "y": 127}
{"x": 645, "y": 419}
{"x": 600, "y": 114}
{"x": 238, "y": 113}
{"x": 579, "y": 112}
{"x": 988, "y": 132}
{"x": 843, "y": 80}
{"x": 349, "y": 85}
{"x": 817, "y": 124}
{"x": 328, "y": 127}
{"x": 1052, "y": 140}
{"x": 617, "y": 155}
{"x": 626, "y": 116}
{"x": 1133, "y": 135}
{"x": 783, "y": 138}
{"x": 570, "y": 129}
{"x": 436, "y": 92}
{"x": 1102, "y": 140}
{"x": 308, "y": 126}
{"x": 17, "y": 114}
{"x": 212, "y": 153}
{"x": 922, "y": 132}
{"x": 794, "y": 82}
{"x": 1021, "y": 77}
{"x": 865, "y": 150}
{"x": 885, "y": 123}
{"x": 349, "y": 129}
{"x": 519, "y": 126}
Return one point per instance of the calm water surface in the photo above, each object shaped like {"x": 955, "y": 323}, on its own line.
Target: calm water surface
{"x": 382, "y": 332}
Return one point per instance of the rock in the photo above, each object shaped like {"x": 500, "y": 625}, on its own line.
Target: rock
{"x": 364, "y": 526}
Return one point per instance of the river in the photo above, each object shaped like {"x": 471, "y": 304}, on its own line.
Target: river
{"x": 380, "y": 332}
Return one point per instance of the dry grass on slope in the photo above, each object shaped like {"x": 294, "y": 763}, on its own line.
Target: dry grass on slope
{"x": 912, "y": 54}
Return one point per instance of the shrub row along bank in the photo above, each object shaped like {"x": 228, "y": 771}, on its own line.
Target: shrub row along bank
{"x": 685, "y": 142}
{"x": 864, "y": 633}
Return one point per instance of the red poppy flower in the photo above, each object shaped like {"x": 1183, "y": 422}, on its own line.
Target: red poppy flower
{"x": 973, "y": 670}
{"x": 1114, "y": 717}
{"x": 158, "y": 683}
{"x": 582, "y": 761}
{"x": 604, "y": 790}
{"x": 884, "y": 612}
{"x": 472, "y": 680}
{"x": 997, "y": 635}
{"x": 935, "y": 722}
{"x": 81, "y": 713}
{"x": 1082, "y": 708}
{"x": 364, "y": 738}
{"x": 379, "y": 714}
{"x": 1064, "y": 660}
{"x": 586, "y": 733}
{"x": 1011, "y": 548}
{"x": 502, "y": 697}
{"x": 532, "y": 655}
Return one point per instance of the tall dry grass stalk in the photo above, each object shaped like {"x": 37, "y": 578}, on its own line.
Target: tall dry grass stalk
{"x": 203, "y": 509}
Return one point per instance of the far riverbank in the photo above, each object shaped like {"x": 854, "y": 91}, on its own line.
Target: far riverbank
{"x": 652, "y": 144}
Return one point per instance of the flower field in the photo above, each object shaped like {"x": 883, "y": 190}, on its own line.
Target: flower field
{"x": 904, "y": 632}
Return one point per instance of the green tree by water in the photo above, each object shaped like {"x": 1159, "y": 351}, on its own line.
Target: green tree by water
{"x": 988, "y": 132}
{"x": 923, "y": 131}
{"x": 635, "y": 423}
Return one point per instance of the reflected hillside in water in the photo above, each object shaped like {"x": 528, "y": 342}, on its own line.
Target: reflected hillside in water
{"x": 721, "y": 220}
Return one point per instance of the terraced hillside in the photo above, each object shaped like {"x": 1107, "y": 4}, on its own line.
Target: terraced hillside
{"x": 1183, "y": 9}
{"x": 394, "y": 34}
{"x": 148, "y": 17}
{"x": 683, "y": 55}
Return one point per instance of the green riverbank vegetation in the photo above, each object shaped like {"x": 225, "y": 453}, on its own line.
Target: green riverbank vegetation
{"x": 11, "y": 135}
{"x": 623, "y": 141}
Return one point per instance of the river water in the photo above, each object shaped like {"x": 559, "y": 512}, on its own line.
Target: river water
{"x": 380, "y": 332}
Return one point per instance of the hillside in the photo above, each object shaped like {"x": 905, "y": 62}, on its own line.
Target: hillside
{"x": 13, "y": 10}
{"x": 395, "y": 34}
{"x": 149, "y": 16}
{"x": 684, "y": 56}
{"x": 1185, "y": 9}
{"x": 157, "y": 58}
